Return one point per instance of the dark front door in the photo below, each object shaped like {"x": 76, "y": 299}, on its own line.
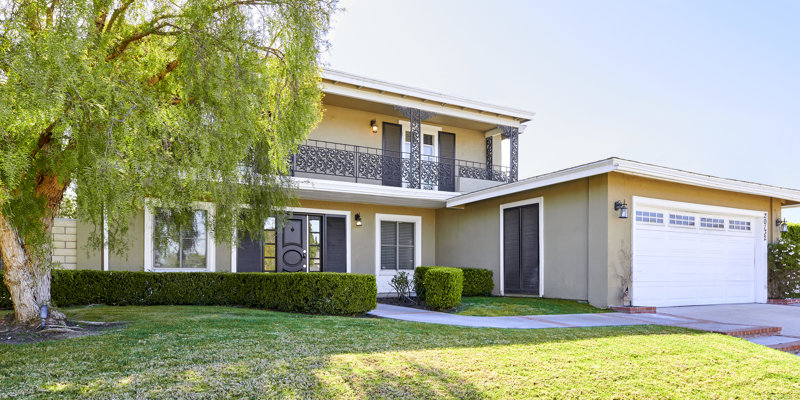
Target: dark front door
{"x": 292, "y": 240}
{"x": 521, "y": 250}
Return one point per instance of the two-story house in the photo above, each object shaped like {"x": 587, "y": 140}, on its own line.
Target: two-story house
{"x": 396, "y": 177}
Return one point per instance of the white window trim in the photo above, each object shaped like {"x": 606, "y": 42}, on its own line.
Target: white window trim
{"x": 417, "y": 220}
{"x": 540, "y": 202}
{"x": 759, "y": 225}
{"x": 302, "y": 210}
{"x": 149, "y": 226}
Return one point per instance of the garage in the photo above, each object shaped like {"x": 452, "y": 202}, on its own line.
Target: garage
{"x": 693, "y": 254}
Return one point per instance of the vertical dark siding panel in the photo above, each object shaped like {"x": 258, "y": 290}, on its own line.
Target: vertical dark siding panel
{"x": 529, "y": 248}
{"x": 392, "y": 154}
{"x": 248, "y": 255}
{"x": 447, "y": 162}
{"x": 511, "y": 271}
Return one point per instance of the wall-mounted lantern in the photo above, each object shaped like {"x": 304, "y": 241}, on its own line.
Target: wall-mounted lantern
{"x": 358, "y": 219}
{"x": 622, "y": 207}
{"x": 374, "y": 126}
{"x": 782, "y": 223}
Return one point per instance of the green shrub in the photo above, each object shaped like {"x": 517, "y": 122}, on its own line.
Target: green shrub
{"x": 783, "y": 266}
{"x": 313, "y": 293}
{"x": 477, "y": 281}
{"x": 419, "y": 278}
{"x": 443, "y": 286}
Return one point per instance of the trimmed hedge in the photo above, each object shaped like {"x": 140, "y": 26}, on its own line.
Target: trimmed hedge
{"x": 313, "y": 293}
{"x": 477, "y": 281}
{"x": 443, "y": 286}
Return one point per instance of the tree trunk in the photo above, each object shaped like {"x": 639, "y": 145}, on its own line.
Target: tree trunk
{"x": 21, "y": 283}
{"x": 27, "y": 271}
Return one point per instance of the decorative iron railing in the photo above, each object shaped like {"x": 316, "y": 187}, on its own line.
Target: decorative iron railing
{"x": 391, "y": 168}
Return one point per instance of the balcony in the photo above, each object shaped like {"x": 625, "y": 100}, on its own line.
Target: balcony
{"x": 345, "y": 162}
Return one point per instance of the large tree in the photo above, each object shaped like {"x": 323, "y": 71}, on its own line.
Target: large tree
{"x": 174, "y": 100}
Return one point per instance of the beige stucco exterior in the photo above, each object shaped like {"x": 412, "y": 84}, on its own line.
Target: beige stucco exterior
{"x": 351, "y": 126}
{"x": 586, "y": 246}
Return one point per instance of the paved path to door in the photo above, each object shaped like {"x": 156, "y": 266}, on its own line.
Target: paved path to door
{"x": 526, "y": 321}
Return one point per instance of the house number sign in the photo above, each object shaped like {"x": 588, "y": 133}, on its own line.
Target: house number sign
{"x": 765, "y": 227}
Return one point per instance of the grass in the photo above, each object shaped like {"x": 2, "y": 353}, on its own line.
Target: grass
{"x": 222, "y": 352}
{"x": 506, "y": 306}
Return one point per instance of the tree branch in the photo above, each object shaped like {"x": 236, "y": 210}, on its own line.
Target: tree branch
{"x": 161, "y": 75}
{"x": 138, "y": 36}
{"x": 118, "y": 13}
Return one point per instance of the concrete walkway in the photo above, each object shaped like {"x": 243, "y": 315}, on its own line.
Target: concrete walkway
{"x": 526, "y": 321}
{"x": 757, "y": 323}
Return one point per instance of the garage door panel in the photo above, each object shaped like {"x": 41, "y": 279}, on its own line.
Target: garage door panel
{"x": 679, "y": 265}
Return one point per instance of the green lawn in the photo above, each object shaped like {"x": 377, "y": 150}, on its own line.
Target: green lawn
{"x": 221, "y": 352}
{"x": 505, "y": 306}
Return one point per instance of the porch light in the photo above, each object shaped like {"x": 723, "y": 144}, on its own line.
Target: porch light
{"x": 358, "y": 219}
{"x": 622, "y": 207}
{"x": 782, "y": 223}
{"x": 374, "y": 125}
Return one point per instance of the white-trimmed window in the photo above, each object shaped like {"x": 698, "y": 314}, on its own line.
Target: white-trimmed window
{"x": 398, "y": 243}
{"x": 712, "y": 223}
{"x": 185, "y": 244}
{"x": 737, "y": 225}
{"x": 650, "y": 217}
{"x": 681, "y": 220}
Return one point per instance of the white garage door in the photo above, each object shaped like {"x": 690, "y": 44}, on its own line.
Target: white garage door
{"x": 691, "y": 254}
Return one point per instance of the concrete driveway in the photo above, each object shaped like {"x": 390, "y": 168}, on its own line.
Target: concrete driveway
{"x": 787, "y": 317}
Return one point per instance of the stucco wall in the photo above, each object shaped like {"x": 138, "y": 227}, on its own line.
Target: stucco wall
{"x": 471, "y": 236}
{"x": 362, "y": 238}
{"x": 131, "y": 259}
{"x": 350, "y": 126}
{"x": 624, "y": 187}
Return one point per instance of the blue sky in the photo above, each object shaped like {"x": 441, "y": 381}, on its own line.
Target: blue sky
{"x": 707, "y": 86}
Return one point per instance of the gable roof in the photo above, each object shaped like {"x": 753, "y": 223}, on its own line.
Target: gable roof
{"x": 620, "y": 165}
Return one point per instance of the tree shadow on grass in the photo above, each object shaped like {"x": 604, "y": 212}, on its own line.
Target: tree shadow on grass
{"x": 245, "y": 353}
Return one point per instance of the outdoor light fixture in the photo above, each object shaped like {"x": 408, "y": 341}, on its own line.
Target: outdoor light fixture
{"x": 43, "y": 313}
{"x": 782, "y": 224}
{"x": 374, "y": 125}
{"x": 358, "y": 219}
{"x": 622, "y": 208}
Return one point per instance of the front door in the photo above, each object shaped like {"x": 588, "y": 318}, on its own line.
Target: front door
{"x": 292, "y": 240}
{"x": 521, "y": 250}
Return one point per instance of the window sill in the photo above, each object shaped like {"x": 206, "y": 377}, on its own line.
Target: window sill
{"x": 180, "y": 270}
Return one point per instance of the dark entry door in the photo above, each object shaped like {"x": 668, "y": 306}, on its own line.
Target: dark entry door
{"x": 521, "y": 250}
{"x": 292, "y": 240}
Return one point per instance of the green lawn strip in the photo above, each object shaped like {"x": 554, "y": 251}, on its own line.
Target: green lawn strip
{"x": 507, "y": 306}
{"x": 213, "y": 352}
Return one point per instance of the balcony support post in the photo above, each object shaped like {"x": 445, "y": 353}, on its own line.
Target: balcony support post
{"x": 512, "y": 134}
{"x": 415, "y": 117}
{"x": 489, "y": 157}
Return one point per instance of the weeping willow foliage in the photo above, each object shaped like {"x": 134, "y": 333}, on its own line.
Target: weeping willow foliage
{"x": 166, "y": 101}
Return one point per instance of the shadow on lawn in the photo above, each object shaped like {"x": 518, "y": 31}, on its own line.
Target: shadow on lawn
{"x": 251, "y": 353}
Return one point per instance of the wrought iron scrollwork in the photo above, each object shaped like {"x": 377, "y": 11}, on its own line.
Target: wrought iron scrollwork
{"x": 512, "y": 134}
